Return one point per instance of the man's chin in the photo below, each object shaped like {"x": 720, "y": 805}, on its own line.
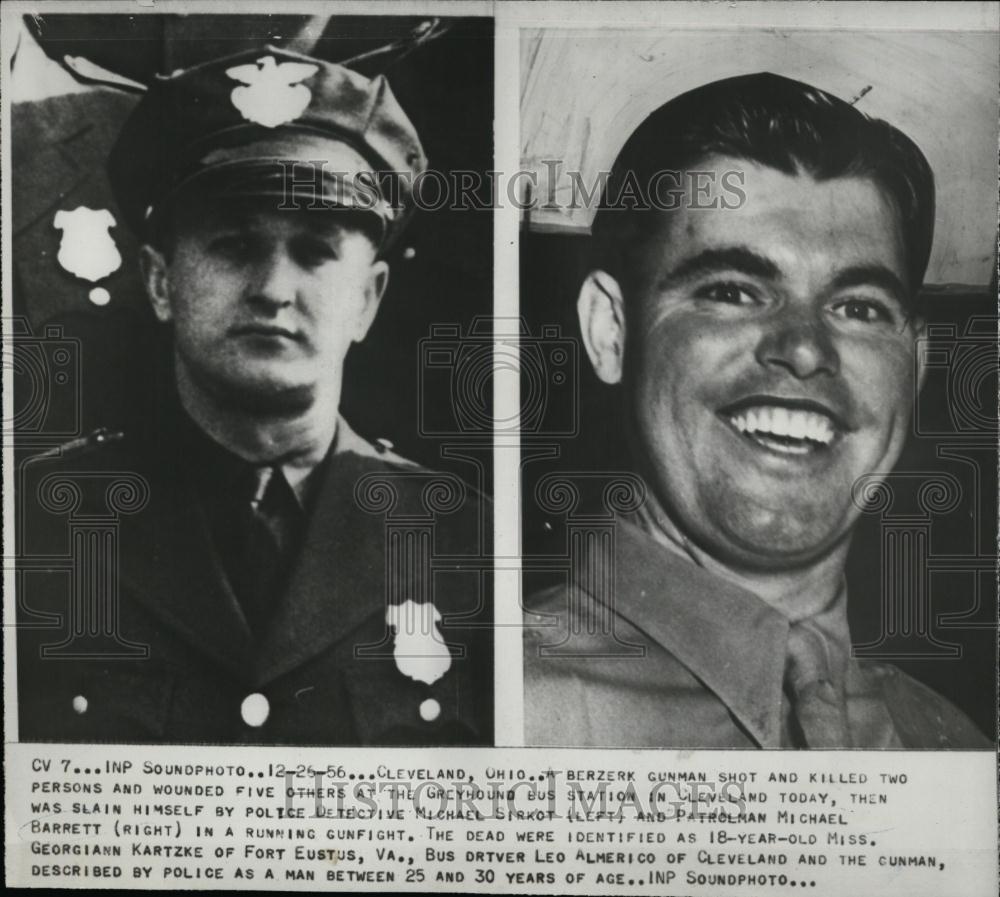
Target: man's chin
{"x": 267, "y": 396}
{"x": 781, "y": 546}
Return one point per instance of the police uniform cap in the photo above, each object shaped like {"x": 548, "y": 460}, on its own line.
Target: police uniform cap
{"x": 249, "y": 124}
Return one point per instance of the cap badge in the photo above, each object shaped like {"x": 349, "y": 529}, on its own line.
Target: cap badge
{"x": 419, "y": 649}
{"x": 272, "y": 94}
{"x": 87, "y": 250}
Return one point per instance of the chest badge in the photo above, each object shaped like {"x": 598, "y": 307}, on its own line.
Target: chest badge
{"x": 271, "y": 94}
{"x": 87, "y": 250}
{"x": 419, "y": 649}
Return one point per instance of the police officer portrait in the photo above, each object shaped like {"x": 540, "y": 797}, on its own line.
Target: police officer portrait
{"x": 234, "y": 522}
{"x": 773, "y": 523}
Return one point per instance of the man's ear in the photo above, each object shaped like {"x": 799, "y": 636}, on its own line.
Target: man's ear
{"x": 153, "y": 266}
{"x": 378, "y": 280}
{"x": 601, "y": 307}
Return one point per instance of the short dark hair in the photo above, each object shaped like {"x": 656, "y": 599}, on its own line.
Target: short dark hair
{"x": 779, "y": 123}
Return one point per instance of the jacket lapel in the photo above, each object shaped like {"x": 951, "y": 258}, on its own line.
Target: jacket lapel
{"x": 338, "y": 580}
{"x": 727, "y": 637}
{"x": 169, "y": 565}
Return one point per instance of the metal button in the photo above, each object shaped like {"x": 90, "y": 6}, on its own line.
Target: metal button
{"x": 255, "y": 709}
{"x": 430, "y": 710}
{"x": 80, "y": 704}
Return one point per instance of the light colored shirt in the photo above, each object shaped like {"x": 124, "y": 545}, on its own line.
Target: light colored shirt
{"x": 674, "y": 656}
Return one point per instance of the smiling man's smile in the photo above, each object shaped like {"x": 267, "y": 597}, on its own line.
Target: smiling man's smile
{"x": 785, "y": 430}
{"x": 803, "y": 428}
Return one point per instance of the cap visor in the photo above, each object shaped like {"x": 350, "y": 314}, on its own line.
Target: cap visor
{"x": 301, "y": 171}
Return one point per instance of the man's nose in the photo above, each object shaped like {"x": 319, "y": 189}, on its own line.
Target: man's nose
{"x": 799, "y": 342}
{"x": 274, "y": 282}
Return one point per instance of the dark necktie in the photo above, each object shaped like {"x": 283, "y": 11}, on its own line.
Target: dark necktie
{"x": 818, "y": 705}
{"x": 272, "y": 515}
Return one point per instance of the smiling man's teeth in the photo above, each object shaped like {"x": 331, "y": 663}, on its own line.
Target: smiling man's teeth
{"x": 785, "y": 423}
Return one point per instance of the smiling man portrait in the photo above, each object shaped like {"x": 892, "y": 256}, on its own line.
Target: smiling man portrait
{"x": 763, "y": 340}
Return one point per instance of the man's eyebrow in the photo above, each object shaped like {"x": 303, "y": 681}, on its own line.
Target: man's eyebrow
{"x": 220, "y": 217}
{"x": 874, "y": 275}
{"x": 727, "y": 258}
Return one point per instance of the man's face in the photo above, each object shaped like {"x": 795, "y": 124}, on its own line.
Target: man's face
{"x": 770, "y": 355}
{"x": 265, "y": 304}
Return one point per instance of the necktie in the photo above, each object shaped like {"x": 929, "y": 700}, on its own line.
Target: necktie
{"x": 818, "y": 704}
{"x": 271, "y": 516}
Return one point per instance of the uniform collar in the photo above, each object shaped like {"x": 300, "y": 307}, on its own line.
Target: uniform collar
{"x": 730, "y": 639}
{"x": 219, "y": 470}
{"x": 346, "y": 440}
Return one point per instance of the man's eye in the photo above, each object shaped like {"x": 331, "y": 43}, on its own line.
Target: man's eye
{"x": 729, "y": 293}
{"x": 866, "y": 311}
{"x": 313, "y": 253}
{"x": 231, "y": 244}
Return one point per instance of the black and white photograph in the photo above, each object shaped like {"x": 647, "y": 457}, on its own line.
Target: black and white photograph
{"x": 240, "y": 518}
{"x": 475, "y": 447}
{"x": 773, "y": 496}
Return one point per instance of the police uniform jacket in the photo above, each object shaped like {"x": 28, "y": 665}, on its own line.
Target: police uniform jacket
{"x": 130, "y": 632}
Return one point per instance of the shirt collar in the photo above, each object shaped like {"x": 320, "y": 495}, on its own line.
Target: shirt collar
{"x": 730, "y": 639}
{"x": 831, "y": 627}
{"x": 214, "y": 468}
{"x": 220, "y": 470}
{"x": 304, "y": 482}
